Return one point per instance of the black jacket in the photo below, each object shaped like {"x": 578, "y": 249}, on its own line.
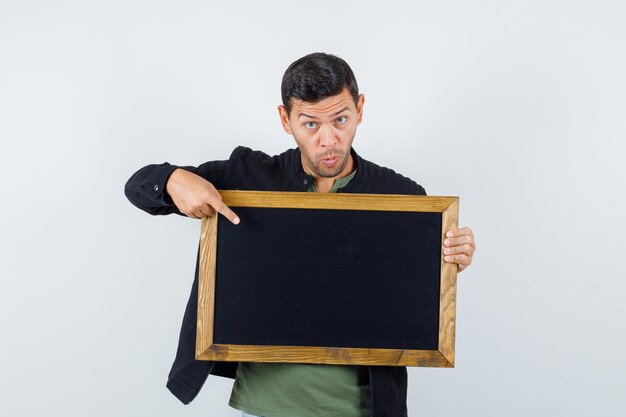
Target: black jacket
{"x": 253, "y": 170}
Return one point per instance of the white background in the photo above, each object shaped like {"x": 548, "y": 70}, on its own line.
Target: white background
{"x": 518, "y": 107}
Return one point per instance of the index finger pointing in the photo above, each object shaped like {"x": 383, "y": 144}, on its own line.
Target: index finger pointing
{"x": 228, "y": 213}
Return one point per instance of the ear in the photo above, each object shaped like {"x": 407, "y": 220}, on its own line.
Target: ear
{"x": 284, "y": 119}
{"x": 359, "y": 108}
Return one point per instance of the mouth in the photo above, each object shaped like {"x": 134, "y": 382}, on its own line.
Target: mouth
{"x": 330, "y": 160}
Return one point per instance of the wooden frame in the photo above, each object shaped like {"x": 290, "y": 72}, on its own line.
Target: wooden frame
{"x": 441, "y": 357}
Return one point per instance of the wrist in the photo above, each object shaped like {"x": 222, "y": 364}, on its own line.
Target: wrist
{"x": 170, "y": 184}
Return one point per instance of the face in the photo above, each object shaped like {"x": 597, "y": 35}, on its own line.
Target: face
{"x": 324, "y": 132}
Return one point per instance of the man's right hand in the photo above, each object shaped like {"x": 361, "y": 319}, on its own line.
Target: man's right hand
{"x": 196, "y": 197}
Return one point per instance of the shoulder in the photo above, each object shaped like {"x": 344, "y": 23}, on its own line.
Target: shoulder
{"x": 245, "y": 154}
{"x": 387, "y": 181}
{"x": 255, "y": 170}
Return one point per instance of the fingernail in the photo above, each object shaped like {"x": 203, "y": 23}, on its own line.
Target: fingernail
{"x": 447, "y": 242}
{"x": 449, "y": 234}
{"x": 236, "y": 220}
{"x": 446, "y": 250}
{"x": 446, "y": 258}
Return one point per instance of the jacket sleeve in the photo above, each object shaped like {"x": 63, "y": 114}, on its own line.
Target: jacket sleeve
{"x": 145, "y": 189}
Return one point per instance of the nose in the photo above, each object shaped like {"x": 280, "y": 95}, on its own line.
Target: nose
{"x": 327, "y": 136}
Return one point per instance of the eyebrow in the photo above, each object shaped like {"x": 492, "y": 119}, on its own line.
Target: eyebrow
{"x": 313, "y": 117}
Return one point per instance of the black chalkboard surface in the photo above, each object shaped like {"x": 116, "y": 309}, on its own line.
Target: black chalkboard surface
{"x": 351, "y": 283}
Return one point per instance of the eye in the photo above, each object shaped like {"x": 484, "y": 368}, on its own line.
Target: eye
{"x": 310, "y": 125}
{"x": 341, "y": 120}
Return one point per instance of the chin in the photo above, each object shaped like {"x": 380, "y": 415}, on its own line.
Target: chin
{"x": 330, "y": 172}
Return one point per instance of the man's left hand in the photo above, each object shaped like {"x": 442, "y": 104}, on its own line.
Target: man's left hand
{"x": 459, "y": 247}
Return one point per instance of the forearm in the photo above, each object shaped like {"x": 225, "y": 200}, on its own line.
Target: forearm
{"x": 146, "y": 189}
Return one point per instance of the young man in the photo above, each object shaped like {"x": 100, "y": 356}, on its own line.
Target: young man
{"x": 321, "y": 109}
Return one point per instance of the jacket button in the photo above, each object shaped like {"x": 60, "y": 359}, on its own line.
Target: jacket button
{"x": 306, "y": 182}
{"x": 155, "y": 188}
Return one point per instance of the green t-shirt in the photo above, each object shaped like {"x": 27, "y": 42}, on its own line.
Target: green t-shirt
{"x": 301, "y": 390}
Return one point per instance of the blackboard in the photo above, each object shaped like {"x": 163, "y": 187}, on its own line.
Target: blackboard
{"x": 328, "y": 278}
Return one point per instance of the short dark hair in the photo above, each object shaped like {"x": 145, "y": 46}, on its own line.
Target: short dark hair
{"x": 317, "y": 76}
